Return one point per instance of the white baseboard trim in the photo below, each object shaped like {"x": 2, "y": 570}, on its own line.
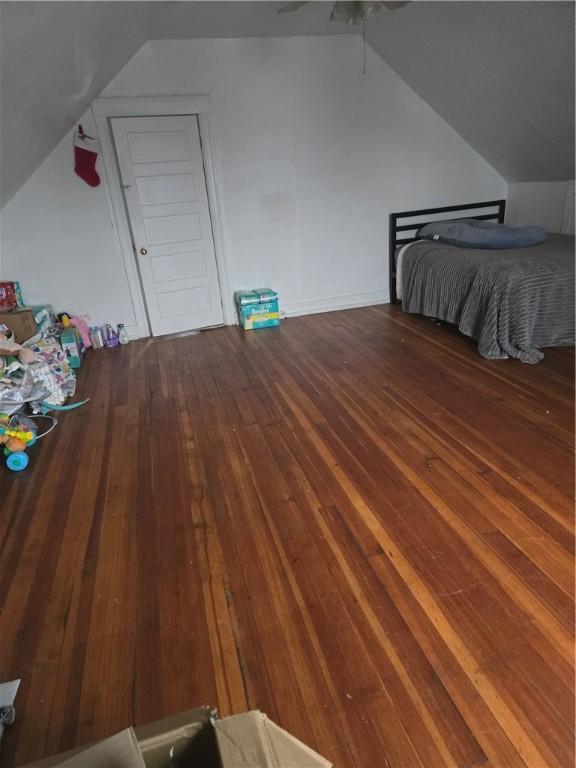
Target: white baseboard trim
{"x": 136, "y": 332}
{"x": 306, "y": 307}
{"x": 333, "y": 303}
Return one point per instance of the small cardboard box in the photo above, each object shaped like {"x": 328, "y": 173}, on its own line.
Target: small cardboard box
{"x": 21, "y": 323}
{"x": 194, "y": 739}
{"x": 257, "y": 308}
{"x": 26, "y": 322}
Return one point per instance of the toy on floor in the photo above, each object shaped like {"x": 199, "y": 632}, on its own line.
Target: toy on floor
{"x": 17, "y": 434}
{"x": 9, "y": 350}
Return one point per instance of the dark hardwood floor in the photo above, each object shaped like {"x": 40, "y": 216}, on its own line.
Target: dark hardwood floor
{"x": 353, "y": 523}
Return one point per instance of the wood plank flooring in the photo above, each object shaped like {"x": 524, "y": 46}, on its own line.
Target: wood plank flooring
{"x": 353, "y": 523}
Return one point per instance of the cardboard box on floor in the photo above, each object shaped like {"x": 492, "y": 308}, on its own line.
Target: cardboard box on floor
{"x": 194, "y": 739}
{"x": 25, "y": 322}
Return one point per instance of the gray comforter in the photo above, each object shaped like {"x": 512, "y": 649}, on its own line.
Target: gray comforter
{"x": 512, "y": 301}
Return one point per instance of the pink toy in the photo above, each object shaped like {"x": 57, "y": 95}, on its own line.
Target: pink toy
{"x": 82, "y": 326}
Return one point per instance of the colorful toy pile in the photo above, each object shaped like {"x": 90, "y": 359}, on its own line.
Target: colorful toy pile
{"x": 39, "y": 352}
{"x": 37, "y": 374}
{"x": 17, "y": 434}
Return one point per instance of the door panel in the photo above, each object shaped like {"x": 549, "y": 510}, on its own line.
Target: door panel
{"x": 178, "y": 265}
{"x": 178, "y": 302}
{"x": 164, "y": 146}
{"x": 172, "y": 229}
{"x": 166, "y": 189}
{"x": 162, "y": 174}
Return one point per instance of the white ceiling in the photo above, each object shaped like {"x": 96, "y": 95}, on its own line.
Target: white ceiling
{"x": 501, "y": 73}
{"x": 238, "y": 18}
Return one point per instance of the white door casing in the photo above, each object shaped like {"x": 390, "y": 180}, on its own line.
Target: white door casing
{"x": 162, "y": 174}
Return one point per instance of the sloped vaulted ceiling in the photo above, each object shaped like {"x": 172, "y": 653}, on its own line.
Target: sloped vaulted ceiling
{"x": 55, "y": 58}
{"x": 501, "y": 73}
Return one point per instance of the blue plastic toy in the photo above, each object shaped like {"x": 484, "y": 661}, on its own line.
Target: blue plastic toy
{"x": 17, "y": 461}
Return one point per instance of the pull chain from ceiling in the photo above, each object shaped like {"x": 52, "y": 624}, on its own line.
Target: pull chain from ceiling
{"x": 364, "y": 47}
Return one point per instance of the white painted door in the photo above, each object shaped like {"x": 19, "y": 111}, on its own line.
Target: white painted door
{"x": 162, "y": 173}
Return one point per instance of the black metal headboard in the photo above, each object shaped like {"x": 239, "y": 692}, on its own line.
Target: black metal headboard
{"x": 412, "y": 227}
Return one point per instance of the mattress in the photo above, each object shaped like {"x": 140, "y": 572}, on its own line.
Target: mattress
{"x": 514, "y": 302}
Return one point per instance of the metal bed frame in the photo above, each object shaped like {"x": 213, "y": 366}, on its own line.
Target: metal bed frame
{"x": 396, "y": 240}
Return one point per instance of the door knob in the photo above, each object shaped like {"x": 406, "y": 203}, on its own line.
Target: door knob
{"x": 143, "y": 251}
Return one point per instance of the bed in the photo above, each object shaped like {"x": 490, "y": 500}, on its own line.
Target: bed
{"x": 513, "y": 301}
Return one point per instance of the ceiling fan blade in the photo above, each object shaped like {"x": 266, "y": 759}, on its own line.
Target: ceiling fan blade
{"x": 292, "y": 7}
{"x": 393, "y": 6}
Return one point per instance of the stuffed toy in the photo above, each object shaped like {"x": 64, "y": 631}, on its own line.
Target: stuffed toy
{"x": 9, "y": 348}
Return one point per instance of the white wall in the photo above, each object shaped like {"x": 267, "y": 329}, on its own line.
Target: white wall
{"x": 568, "y": 225}
{"x": 58, "y": 238}
{"x": 310, "y": 157}
{"x": 540, "y": 203}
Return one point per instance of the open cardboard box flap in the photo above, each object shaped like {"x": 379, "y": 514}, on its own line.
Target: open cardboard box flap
{"x": 119, "y": 751}
{"x": 194, "y": 739}
{"x": 251, "y": 740}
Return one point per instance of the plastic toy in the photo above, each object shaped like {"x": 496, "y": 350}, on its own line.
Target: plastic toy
{"x": 82, "y": 327}
{"x": 17, "y": 434}
{"x": 64, "y": 319}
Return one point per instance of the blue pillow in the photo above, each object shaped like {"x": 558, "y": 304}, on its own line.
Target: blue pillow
{"x": 471, "y": 233}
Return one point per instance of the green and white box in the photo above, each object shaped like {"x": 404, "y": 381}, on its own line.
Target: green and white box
{"x": 71, "y": 343}
{"x": 257, "y": 308}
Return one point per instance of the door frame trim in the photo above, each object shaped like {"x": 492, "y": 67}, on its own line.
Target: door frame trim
{"x": 103, "y": 110}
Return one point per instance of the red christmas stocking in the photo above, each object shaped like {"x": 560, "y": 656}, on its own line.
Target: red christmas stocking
{"x": 85, "y": 154}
